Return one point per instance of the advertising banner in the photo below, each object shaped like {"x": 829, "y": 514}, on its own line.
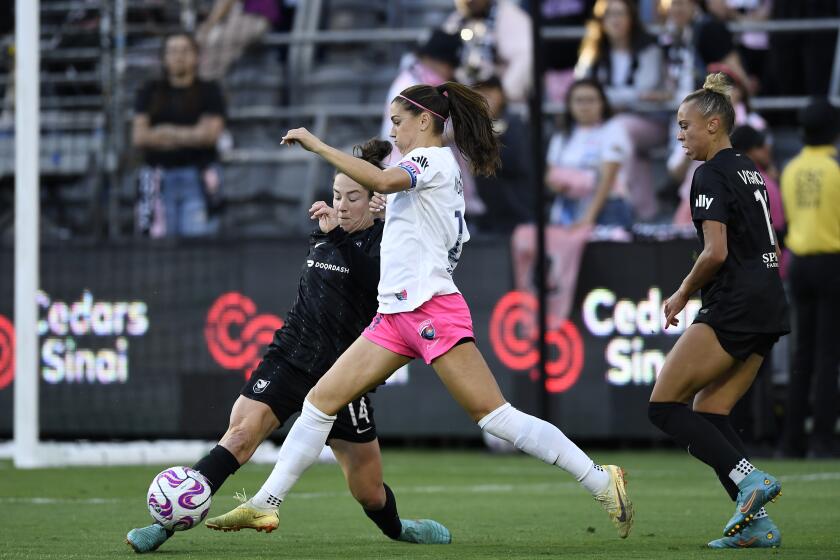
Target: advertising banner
{"x": 151, "y": 340}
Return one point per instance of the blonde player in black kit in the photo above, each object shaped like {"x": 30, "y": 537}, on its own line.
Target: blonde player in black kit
{"x": 743, "y": 313}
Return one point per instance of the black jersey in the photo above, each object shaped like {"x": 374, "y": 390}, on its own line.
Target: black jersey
{"x": 746, "y": 294}
{"x": 336, "y": 299}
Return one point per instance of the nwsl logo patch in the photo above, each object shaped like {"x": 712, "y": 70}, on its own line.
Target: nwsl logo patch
{"x": 427, "y": 330}
{"x": 401, "y": 296}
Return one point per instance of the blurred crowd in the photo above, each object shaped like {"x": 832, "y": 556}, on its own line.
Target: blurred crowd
{"x": 612, "y": 160}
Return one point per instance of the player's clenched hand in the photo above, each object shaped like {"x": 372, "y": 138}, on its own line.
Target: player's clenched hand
{"x": 377, "y": 204}
{"x": 672, "y": 306}
{"x": 306, "y": 139}
{"x": 326, "y": 215}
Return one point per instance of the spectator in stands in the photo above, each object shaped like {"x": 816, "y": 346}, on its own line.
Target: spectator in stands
{"x": 177, "y": 121}
{"x": 681, "y": 168}
{"x": 692, "y": 40}
{"x": 753, "y": 46}
{"x": 496, "y": 36}
{"x": 433, "y": 63}
{"x": 811, "y": 196}
{"x": 800, "y": 62}
{"x": 560, "y": 55}
{"x": 508, "y": 196}
{"x": 231, "y": 26}
{"x": 618, "y": 52}
{"x": 587, "y": 161}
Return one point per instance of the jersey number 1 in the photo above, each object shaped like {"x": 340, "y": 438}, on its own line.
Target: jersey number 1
{"x": 763, "y": 203}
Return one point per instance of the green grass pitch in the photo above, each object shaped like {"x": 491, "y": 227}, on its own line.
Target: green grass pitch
{"x": 495, "y": 506}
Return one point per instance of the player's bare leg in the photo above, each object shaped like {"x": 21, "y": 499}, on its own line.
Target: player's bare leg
{"x": 468, "y": 379}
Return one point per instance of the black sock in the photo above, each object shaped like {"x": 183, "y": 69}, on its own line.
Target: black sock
{"x": 724, "y": 426}
{"x": 217, "y": 466}
{"x": 387, "y": 518}
{"x": 701, "y": 438}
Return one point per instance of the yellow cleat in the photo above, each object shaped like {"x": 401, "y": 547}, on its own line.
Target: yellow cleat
{"x": 245, "y": 516}
{"x": 616, "y": 501}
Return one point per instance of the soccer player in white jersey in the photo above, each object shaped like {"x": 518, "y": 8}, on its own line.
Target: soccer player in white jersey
{"x": 421, "y": 312}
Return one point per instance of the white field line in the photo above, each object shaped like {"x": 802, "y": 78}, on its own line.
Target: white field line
{"x": 542, "y": 488}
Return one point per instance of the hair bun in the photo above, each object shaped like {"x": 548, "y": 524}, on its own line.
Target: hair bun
{"x": 718, "y": 83}
{"x": 373, "y": 151}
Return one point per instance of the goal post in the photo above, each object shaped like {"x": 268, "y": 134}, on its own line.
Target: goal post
{"x": 27, "y": 209}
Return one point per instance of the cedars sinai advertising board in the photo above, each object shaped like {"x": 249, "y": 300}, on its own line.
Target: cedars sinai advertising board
{"x": 156, "y": 341}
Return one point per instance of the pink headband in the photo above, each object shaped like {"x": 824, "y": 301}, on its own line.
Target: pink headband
{"x": 441, "y": 117}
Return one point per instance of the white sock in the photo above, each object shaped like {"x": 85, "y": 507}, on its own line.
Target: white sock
{"x": 761, "y": 513}
{"x": 545, "y": 442}
{"x": 299, "y": 451}
{"x": 741, "y": 470}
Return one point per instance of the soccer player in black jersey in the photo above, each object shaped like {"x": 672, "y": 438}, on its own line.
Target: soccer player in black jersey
{"x": 336, "y": 299}
{"x": 743, "y": 313}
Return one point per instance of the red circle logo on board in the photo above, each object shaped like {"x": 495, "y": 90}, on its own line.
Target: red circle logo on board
{"x": 513, "y": 335}
{"x": 7, "y": 352}
{"x": 236, "y": 335}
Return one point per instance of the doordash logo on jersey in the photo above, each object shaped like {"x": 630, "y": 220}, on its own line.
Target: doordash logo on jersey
{"x": 629, "y": 325}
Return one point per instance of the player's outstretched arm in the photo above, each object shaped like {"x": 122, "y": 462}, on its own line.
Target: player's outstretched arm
{"x": 385, "y": 181}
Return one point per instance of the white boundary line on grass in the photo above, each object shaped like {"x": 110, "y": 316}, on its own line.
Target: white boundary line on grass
{"x": 437, "y": 489}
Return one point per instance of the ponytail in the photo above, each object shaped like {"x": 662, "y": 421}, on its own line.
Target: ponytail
{"x": 373, "y": 151}
{"x": 714, "y": 99}
{"x": 471, "y": 122}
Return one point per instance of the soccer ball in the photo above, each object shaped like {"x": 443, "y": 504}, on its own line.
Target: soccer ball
{"x": 178, "y": 498}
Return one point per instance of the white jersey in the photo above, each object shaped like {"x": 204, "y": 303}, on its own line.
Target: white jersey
{"x": 424, "y": 232}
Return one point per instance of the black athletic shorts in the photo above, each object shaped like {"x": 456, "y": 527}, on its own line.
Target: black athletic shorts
{"x": 742, "y": 345}
{"x": 283, "y": 387}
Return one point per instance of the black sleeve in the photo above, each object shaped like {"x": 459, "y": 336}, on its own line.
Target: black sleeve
{"x": 713, "y": 41}
{"x": 709, "y": 195}
{"x": 364, "y": 265}
{"x": 143, "y": 98}
{"x": 214, "y": 100}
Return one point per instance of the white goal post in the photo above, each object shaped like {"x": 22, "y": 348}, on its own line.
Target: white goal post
{"x": 27, "y": 208}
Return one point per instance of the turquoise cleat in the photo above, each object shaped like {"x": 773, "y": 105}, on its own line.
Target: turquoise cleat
{"x": 762, "y": 533}
{"x": 424, "y": 531}
{"x": 756, "y": 490}
{"x": 147, "y": 539}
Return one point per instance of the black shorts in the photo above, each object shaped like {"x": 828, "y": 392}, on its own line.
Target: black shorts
{"x": 742, "y": 345}
{"x": 283, "y": 387}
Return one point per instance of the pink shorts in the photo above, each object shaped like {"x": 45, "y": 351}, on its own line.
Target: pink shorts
{"x": 429, "y": 331}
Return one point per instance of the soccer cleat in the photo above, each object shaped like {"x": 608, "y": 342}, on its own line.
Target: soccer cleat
{"x": 762, "y": 533}
{"x": 147, "y": 539}
{"x": 616, "y": 501}
{"x": 424, "y": 531}
{"x": 756, "y": 490}
{"x": 245, "y": 516}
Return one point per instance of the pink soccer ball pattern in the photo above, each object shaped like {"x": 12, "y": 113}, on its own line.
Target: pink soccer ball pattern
{"x": 179, "y": 498}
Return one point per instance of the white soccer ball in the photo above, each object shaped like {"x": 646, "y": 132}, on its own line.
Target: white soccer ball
{"x": 178, "y": 498}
